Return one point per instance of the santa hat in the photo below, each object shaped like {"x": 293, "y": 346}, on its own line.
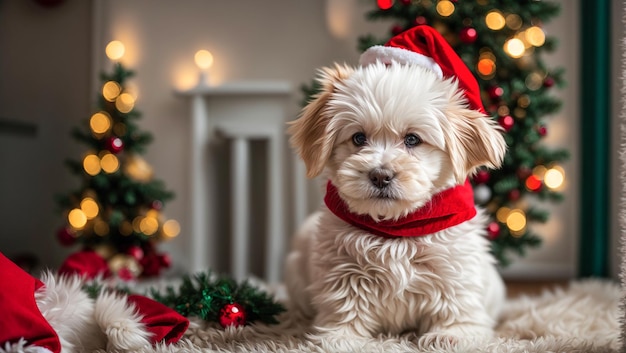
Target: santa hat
{"x": 22, "y": 323}
{"x": 424, "y": 46}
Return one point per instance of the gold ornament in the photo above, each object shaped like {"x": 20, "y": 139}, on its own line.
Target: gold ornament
{"x": 123, "y": 261}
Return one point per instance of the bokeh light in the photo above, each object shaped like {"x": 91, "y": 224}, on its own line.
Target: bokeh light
{"x": 445, "y": 8}
{"x": 515, "y": 48}
{"x": 203, "y": 59}
{"x": 171, "y": 228}
{"x": 111, "y": 90}
{"x": 89, "y": 207}
{"x": 91, "y": 164}
{"x": 77, "y": 218}
{"x": 494, "y": 20}
{"x": 115, "y": 50}
{"x": 109, "y": 163}
{"x": 100, "y": 123}
{"x": 125, "y": 102}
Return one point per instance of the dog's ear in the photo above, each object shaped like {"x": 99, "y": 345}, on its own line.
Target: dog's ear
{"x": 475, "y": 140}
{"x": 311, "y": 134}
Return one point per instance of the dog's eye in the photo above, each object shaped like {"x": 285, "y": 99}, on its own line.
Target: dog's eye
{"x": 412, "y": 140}
{"x": 359, "y": 139}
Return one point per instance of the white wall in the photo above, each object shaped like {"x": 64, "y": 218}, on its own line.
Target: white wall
{"x": 250, "y": 40}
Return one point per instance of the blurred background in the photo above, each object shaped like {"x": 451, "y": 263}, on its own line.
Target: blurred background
{"x": 51, "y": 54}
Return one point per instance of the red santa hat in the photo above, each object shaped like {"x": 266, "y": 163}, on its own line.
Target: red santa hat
{"x": 424, "y": 46}
{"x": 22, "y": 323}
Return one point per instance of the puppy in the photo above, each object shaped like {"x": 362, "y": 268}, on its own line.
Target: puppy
{"x": 399, "y": 246}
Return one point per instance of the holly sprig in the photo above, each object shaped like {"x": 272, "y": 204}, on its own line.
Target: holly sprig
{"x": 203, "y": 295}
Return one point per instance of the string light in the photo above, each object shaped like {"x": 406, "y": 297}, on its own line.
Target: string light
{"x": 534, "y": 81}
{"x": 554, "y": 177}
{"x": 516, "y": 221}
{"x": 502, "y": 214}
{"x": 125, "y": 102}
{"x": 89, "y": 207}
{"x": 148, "y": 225}
{"x": 91, "y": 164}
{"x": 513, "y": 21}
{"x": 115, "y": 50}
{"x": 515, "y": 48}
{"x": 109, "y": 163}
{"x": 101, "y": 227}
{"x": 100, "y": 123}
{"x": 111, "y": 90}
{"x": 77, "y": 218}
{"x": 535, "y": 36}
{"x": 533, "y": 183}
{"x": 445, "y": 8}
{"x": 539, "y": 171}
{"x": 126, "y": 228}
{"x": 494, "y": 20}
{"x": 171, "y": 228}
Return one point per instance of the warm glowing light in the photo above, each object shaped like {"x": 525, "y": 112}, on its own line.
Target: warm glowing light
{"x": 111, "y": 90}
{"x": 171, "y": 228}
{"x": 539, "y": 171}
{"x": 495, "y": 20}
{"x": 100, "y": 227}
{"x": 554, "y": 177}
{"x": 502, "y": 214}
{"x": 513, "y": 21}
{"x": 77, "y": 218}
{"x": 91, "y": 164}
{"x": 138, "y": 169}
{"x": 115, "y": 50}
{"x": 126, "y": 228}
{"x": 100, "y": 123}
{"x": 89, "y": 207}
{"x": 109, "y": 163}
{"x": 516, "y": 220}
{"x": 445, "y": 8}
{"x": 534, "y": 81}
{"x": 149, "y": 225}
{"x": 535, "y": 36}
{"x": 486, "y": 67}
{"x": 514, "y": 47}
{"x": 203, "y": 59}
{"x": 523, "y": 101}
{"x": 125, "y": 102}
{"x": 533, "y": 183}
{"x": 153, "y": 213}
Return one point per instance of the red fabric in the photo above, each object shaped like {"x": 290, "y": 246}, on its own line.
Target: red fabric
{"x": 21, "y": 317}
{"x": 427, "y": 41}
{"x": 86, "y": 263}
{"x": 446, "y": 209}
{"x": 164, "y": 323}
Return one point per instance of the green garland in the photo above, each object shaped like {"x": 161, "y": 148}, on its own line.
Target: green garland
{"x": 204, "y": 295}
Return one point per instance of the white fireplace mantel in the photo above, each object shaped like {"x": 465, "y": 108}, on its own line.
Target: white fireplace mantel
{"x": 240, "y": 112}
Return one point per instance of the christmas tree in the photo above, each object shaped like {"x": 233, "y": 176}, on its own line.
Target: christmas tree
{"x": 116, "y": 211}
{"x": 501, "y": 41}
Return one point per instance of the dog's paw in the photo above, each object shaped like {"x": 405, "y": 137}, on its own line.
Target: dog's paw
{"x": 453, "y": 336}
{"x": 436, "y": 340}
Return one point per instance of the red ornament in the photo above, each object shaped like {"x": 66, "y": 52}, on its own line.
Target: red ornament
{"x": 136, "y": 252}
{"x": 125, "y": 274}
{"x": 514, "y": 195}
{"x": 506, "y": 122}
{"x": 493, "y": 230}
{"x": 482, "y": 176}
{"x": 548, "y": 82}
{"x": 495, "y": 92}
{"x": 384, "y": 4}
{"x": 66, "y": 237}
{"x": 165, "y": 260}
{"x": 115, "y": 145}
{"x": 420, "y": 20}
{"x": 542, "y": 130}
{"x": 156, "y": 205}
{"x": 406, "y": 2}
{"x": 232, "y": 314}
{"x": 523, "y": 173}
{"x": 151, "y": 265}
{"x": 397, "y": 29}
{"x": 468, "y": 35}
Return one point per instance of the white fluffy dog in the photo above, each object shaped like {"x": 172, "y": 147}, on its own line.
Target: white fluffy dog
{"x": 391, "y": 138}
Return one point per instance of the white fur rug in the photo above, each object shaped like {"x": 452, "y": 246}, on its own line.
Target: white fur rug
{"x": 581, "y": 318}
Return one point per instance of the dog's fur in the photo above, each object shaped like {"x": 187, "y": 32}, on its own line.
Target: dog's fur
{"x": 354, "y": 284}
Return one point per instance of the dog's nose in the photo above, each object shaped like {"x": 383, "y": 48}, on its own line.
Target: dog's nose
{"x": 381, "y": 177}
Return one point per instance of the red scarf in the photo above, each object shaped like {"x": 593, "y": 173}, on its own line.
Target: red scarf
{"x": 446, "y": 209}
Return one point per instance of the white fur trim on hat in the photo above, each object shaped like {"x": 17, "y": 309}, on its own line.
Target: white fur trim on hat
{"x": 403, "y": 56}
